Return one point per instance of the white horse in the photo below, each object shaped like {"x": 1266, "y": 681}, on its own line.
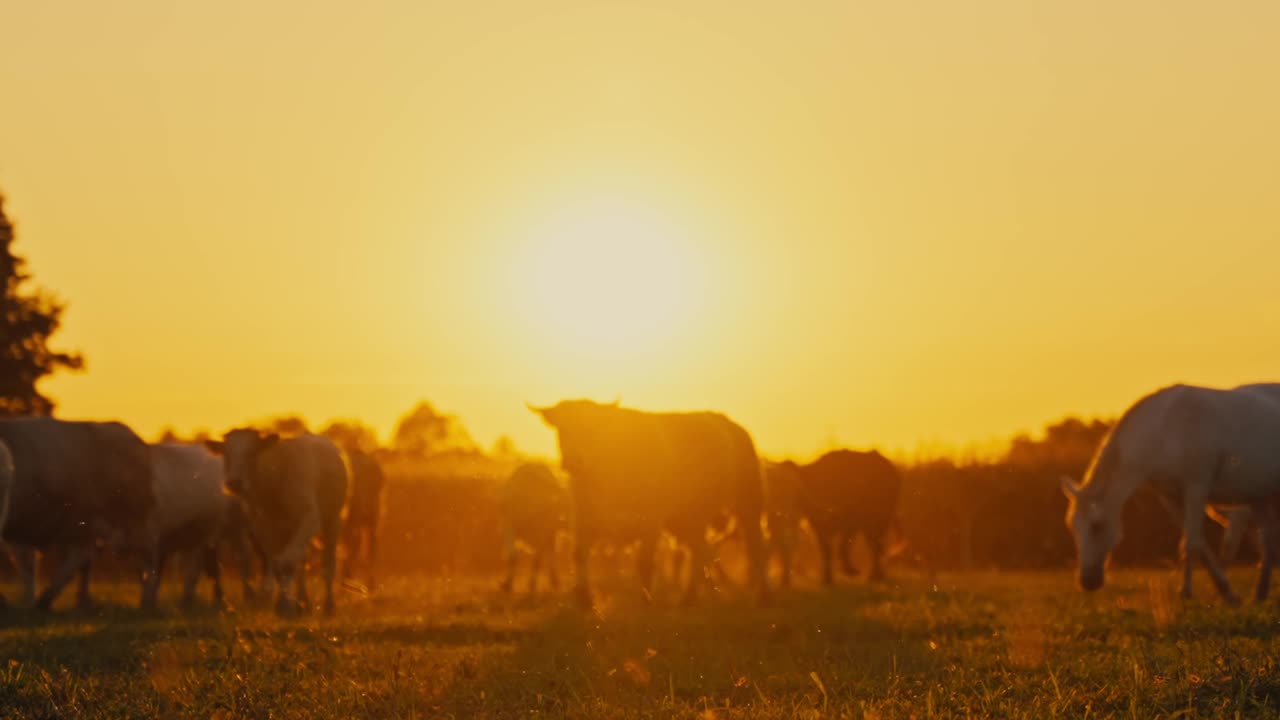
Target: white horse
{"x": 1195, "y": 446}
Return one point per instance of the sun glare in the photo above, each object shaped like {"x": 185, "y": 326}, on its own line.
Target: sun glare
{"x": 611, "y": 277}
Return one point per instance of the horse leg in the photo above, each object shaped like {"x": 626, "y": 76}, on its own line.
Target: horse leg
{"x": 1265, "y": 517}
{"x": 1234, "y": 528}
{"x": 1185, "y": 559}
{"x": 1194, "y": 546}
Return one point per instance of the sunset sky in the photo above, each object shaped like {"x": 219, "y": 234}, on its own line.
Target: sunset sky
{"x": 865, "y": 222}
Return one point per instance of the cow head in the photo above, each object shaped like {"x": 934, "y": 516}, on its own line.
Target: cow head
{"x": 1096, "y": 527}
{"x": 575, "y": 422}
{"x": 240, "y": 449}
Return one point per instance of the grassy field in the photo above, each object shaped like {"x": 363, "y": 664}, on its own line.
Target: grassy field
{"x": 987, "y": 645}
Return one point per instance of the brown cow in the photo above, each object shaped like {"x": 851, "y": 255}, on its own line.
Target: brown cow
{"x": 633, "y": 474}
{"x": 534, "y": 510}
{"x": 364, "y": 508}
{"x": 76, "y": 483}
{"x": 841, "y": 494}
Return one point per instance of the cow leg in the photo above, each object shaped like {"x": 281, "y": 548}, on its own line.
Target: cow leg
{"x": 209, "y": 559}
{"x": 304, "y": 599}
{"x": 646, "y": 559}
{"x": 553, "y": 575}
{"x": 677, "y": 564}
{"x": 286, "y": 606}
{"x": 512, "y": 556}
{"x": 329, "y": 567}
{"x": 242, "y": 546}
{"x": 349, "y": 542}
{"x": 193, "y": 562}
{"x": 371, "y": 552}
{"x": 780, "y": 546}
{"x": 1265, "y": 517}
{"x": 844, "y": 542}
{"x": 27, "y": 563}
{"x": 70, "y": 565}
{"x": 535, "y": 567}
{"x": 824, "y": 550}
{"x": 84, "y": 601}
{"x": 875, "y": 543}
{"x": 291, "y": 562}
{"x": 757, "y": 559}
{"x": 699, "y": 555}
{"x": 581, "y": 556}
{"x": 270, "y": 584}
{"x": 150, "y": 578}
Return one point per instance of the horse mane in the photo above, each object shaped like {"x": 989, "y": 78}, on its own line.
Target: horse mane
{"x": 1109, "y": 454}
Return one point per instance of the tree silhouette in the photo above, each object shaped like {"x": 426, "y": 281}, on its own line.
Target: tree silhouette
{"x": 27, "y": 320}
{"x": 351, "y": 434}
{"x": 424, "y": 431}
{"x": 287, "y": 425}
{"x": 504, "y": 448}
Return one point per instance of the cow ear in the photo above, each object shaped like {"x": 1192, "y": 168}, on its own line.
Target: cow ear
{"x": 268, "y": 440}
{"x": 543, "y": 412}
{"x": 616, "y": 401}
{"x": 217, "y": 447}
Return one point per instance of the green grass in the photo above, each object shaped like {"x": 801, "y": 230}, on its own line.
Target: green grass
{"x": 985, "y": 645}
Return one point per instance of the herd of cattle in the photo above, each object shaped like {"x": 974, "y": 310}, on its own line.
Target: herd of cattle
{"x": 264, "y": 501}
{"x": 634, "y": 477}
{"x": 67, "y": 486}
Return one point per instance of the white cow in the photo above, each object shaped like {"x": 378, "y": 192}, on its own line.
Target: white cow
{"x": 294, "y": 490}
{"x": 193, "y": 514}
{"x": 1195, "y": 446}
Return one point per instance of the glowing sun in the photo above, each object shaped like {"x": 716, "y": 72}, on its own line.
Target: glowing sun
{"x": 610, "y": 277}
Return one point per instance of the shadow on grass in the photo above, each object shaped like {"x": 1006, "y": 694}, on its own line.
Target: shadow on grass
{"x": 629, "y": 657}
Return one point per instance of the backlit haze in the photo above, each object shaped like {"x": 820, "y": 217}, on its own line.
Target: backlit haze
{"x": 867, "y": 223}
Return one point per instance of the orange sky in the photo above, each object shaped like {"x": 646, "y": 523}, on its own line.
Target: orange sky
{"x": 874, "y": 223}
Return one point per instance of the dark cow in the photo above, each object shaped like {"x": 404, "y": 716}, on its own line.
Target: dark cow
{"x": 633, "y": 474}
{"x": 294, "y": 489}
{"x": 841, "y": 494}
{"x": 76, "y": 483}
{"x": 364, "y": 507}
{"x": 6, "y": 486}
{"x": 534, "y": 510}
